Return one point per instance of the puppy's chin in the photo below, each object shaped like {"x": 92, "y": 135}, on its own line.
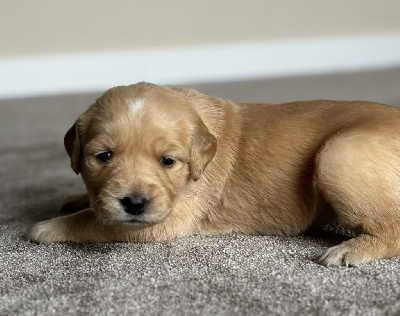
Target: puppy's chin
{"x": 139, "y": 224}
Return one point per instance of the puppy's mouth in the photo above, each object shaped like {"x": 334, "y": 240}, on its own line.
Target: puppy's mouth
{"x": 113, "y": 213}
{"x": 136, "y": 221}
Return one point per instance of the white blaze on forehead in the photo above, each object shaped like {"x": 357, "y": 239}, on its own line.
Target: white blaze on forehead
{"x": 136, "y": 104}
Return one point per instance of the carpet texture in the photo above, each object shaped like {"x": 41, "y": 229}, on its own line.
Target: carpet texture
{"x": 227, "y": 275}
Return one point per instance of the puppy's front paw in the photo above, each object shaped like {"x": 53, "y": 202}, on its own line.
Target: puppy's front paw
{"x": 48, "y": 231}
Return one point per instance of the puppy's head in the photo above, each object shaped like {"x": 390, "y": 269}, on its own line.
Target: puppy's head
{"x": 137, "y": 148}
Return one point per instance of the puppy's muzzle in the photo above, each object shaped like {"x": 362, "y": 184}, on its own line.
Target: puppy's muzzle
{"x": 134, "y": 204}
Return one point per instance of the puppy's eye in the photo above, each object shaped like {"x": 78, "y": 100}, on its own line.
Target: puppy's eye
{"x": 105, "y": 156}
{"x": 167, "y": 162}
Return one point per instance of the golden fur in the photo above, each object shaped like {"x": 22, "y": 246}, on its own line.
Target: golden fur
{"x": 254, "y": 169}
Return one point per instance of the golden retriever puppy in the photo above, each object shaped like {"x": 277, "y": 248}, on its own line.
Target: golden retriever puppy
{"x": 161, "y": 163}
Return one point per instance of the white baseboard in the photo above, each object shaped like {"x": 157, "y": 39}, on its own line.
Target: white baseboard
{"x": 84, "y": 72}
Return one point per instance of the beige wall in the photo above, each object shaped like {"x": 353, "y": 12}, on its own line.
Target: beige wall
{"x": 45, "y": 27}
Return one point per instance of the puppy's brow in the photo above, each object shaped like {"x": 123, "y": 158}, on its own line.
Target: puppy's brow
{"x": 97, "y": 145}
{"x": 136, "y": 104}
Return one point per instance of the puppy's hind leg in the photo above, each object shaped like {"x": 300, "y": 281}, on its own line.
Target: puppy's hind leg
{"x": 358, "y": 173}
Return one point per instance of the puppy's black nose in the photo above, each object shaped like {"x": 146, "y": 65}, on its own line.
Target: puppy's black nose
{"x": 134, "y": 204}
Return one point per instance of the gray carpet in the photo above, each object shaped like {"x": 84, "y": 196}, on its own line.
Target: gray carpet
{"x": 228, "y": 275}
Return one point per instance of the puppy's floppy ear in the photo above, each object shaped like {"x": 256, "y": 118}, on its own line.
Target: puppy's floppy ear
{"x": 202, "y": 150}
{"x": 73, "y": 148}
{"x": 204, "y": 144}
